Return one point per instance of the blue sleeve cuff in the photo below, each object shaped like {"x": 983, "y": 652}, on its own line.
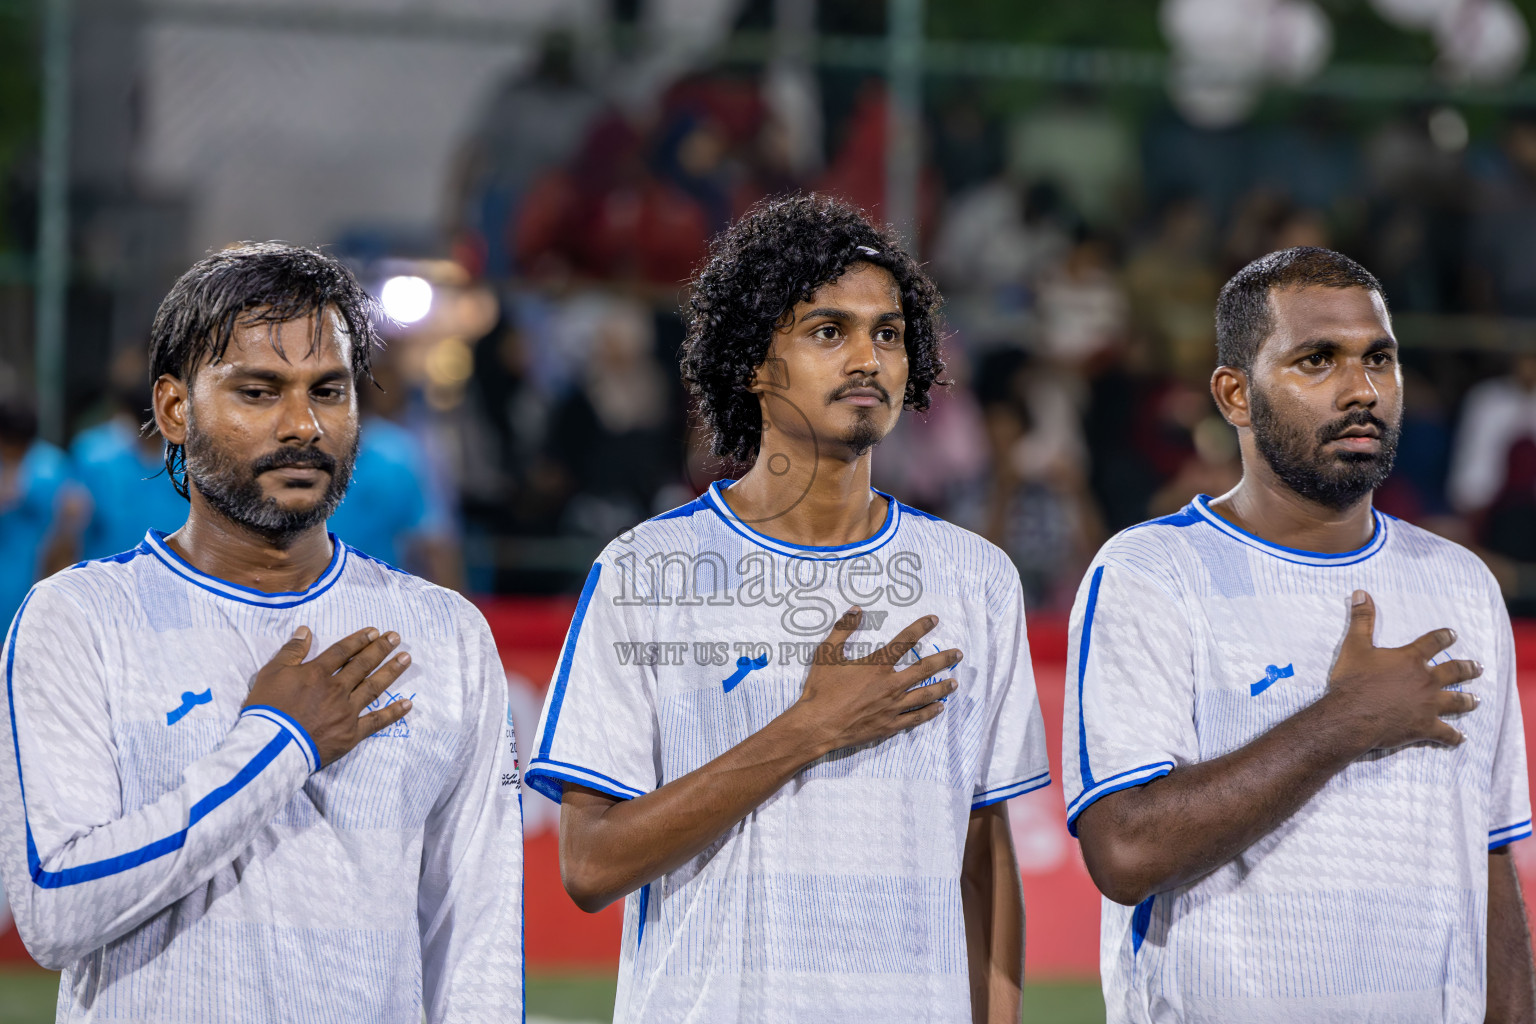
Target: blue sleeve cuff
{"x": 548, "y": 777}
{"x": 283, "y": 720}
{"x": 1000, "y": 793}
{"x": 1103, "y": 787}
{"x": 1508, "y": 834}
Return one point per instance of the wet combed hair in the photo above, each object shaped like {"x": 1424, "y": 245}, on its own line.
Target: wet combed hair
{"x": 1244, "y": 314}
{"x": 246, "y": 284}
{"x": 775, "y": 256}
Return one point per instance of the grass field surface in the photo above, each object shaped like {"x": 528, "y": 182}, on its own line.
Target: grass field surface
{"x": 27, "y": 997}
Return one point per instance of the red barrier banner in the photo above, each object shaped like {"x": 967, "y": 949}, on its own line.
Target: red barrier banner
{"x": 1061, "y": 904}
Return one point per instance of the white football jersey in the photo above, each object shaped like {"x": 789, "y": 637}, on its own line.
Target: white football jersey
{"x": 1191, "y": 637}
{"x": 182, "y": 860}
{"x": 838, "y": 899}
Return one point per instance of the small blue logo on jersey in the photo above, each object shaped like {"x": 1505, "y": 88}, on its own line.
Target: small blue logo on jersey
{"x": 744, "y": 665}
{"x": 1272, "y": 675}
{"x": 189, "y": 700}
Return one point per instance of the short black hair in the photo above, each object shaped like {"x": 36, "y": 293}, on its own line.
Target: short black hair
{"x": 253, "y": 283}
{"x": 1244, "y": 314}
{"x": 775, "y": 256}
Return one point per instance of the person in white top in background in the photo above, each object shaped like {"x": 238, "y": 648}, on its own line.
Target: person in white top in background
{"x": 198, "y": 821}
{"x": 1293, "y": 743}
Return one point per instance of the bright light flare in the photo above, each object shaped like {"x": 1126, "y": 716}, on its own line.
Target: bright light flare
{"x": 406, "y": 299}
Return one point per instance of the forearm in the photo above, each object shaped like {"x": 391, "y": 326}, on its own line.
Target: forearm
{"x": 993, "y": 904}
{"x": 87, "y": 885}
{"x": 1184, "y": 825}
{"x": 1511, "y": 975}
{"x": 609, "y": 849}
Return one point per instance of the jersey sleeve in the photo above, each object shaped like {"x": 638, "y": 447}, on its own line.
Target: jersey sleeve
{"x": 470, "y": 898}
{"x": 599, "y": 726}
{"x": 1509, "y": 807}
{"x": 1015, "y": 760}
{"x": 80, "y": 867}
{"x": 1130, "y": 687}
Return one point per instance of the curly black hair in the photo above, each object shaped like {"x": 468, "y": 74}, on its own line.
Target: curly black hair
{"x": 775, "y": 256}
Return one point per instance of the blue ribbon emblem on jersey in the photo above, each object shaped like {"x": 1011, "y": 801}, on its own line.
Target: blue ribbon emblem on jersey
{"x": 189, "y": 700}
{"x": 743, "y": 666}
{"x": 1271, "y": 676}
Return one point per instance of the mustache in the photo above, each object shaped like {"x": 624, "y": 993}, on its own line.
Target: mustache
{"x": 843, "y": 389}
{"x": 1359, "y": 418}
{"x": 294, "y": 458}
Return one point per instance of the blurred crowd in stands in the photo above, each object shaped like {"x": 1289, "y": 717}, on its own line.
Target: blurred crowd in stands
{"x": 1079, "y": 251}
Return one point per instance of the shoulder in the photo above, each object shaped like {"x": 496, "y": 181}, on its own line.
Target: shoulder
{"x": 944, "y": 547}
{"x": 92, "y": 589}
{"x": 680, "y": 529}
{"x": 1161, "y": 551}
{"x": 1444, "y": 559}
{"x": 372, "y": 573}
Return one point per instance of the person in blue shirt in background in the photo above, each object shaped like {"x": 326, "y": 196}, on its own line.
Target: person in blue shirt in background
{"x": 41, "y": 508}
{"x": 120, "y": 466}
{"x": 396, "y": 510}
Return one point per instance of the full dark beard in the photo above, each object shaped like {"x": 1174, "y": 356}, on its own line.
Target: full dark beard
{"x": 231, "y": 487}
{"x": 1335, "y": 480}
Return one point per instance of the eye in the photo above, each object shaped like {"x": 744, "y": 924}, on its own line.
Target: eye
{"x": 330, "y": 393}
{"x": 888, "y": 336}
{"x": 827, "y": 332}
{"x": 1380, "y": 358}
{"x": 253, "y": 393}
{"x": 1316, "y": 360}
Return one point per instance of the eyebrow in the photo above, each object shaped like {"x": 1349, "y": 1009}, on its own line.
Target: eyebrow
{"x": 842, "y": 314}
{"x": 1329, "y": 346}
{"x": 274, "y": 377}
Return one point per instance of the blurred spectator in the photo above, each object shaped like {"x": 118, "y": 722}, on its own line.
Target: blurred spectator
{"x": 41, "y": 509}
{"x": 1033, "y": 503}
{"x": 1082, "y": 303}
{"x": 1173, "y": 285}
{"x": 534, "y": 122}
{"x": 1496, "y": 416}
{"x": 1504, "y": 229}
{"x": 1416, "y": 490}
{"x": 612, "y": 435}
{"x": 997, "y": 238}
{"x": 1088, "y": 152}
{"x": 121, "y": 464}
{"x": 394, "y": 511}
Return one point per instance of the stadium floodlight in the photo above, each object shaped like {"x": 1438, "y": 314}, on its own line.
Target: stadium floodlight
{"x": 406, "y": 299}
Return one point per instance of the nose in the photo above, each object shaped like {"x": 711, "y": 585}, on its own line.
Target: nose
{"x": 1357, "y": 387}
{"x": 862, "y": 359}
{"x": 297, "y": 423}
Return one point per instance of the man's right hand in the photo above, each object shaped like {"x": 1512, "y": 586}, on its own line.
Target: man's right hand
{"x": 849, "y": 702}
{"x": 1393, "y": 693}
{"x": 327, "y": 695}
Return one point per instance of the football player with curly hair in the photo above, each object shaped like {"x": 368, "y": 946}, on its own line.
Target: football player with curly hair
{"x": 761, "y": 730}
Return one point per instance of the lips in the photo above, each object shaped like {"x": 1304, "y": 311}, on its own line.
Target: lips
{"x": 863, "y": 396}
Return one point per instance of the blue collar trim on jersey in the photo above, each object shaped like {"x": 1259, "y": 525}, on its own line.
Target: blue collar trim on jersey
{"x": 1201, "y": 507}
{"x": 248, "y": 595}
{"x": 715, "y": 497}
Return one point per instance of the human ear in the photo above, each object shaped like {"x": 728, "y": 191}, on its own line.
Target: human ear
{"x": 1229, "y": 387}
{"x": 170, "y": 406}
{"x": 773, "y": 373}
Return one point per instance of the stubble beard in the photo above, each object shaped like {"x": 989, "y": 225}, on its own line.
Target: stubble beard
{"x": 233, "y": 489}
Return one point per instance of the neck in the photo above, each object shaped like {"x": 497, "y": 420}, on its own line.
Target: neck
{"x": 1267, "y": 508}
{"x": 224, "y": 549}
{"x": 820, "y": 500}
